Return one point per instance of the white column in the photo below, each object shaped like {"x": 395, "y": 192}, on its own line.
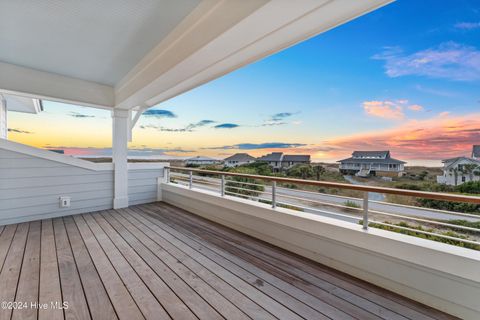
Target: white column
{"x": 3, "y": 118}
{"x": 121, "y": 127}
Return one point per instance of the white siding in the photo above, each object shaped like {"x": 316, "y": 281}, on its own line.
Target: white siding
{"x": 30, "y": 188}
{"x": 142, "y": 185}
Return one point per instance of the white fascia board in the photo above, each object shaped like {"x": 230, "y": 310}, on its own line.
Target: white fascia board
{"x": 269, "y": 29}
{"x": 52, "y": 156}
{"x": 37, "y": 84}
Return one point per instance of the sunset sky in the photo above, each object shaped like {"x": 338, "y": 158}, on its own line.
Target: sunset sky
{"x": 405, "y": 78}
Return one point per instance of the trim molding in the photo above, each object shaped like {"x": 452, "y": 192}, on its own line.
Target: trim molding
{"x": 49, "y": 86}
{"x": 85, "y": 164}
{"x": 53, "y": 156}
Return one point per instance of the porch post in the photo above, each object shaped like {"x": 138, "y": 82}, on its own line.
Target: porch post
{"x": 121, "y": 127}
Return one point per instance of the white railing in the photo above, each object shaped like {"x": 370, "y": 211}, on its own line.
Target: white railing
{"x": 428, "y": 223}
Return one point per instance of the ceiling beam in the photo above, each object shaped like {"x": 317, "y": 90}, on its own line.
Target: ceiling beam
{"x": 256, "y": 32}
{"x": 48, "y": 86}
{"x": 209, "y": 20}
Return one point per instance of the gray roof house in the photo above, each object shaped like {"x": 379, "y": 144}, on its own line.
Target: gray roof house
{"x": 274, "y": 159}
{"x": 290, "y": 160}
{"x": 365, "y": 163}
{"x": 238, "y": 159}
{"x": 278, "y": 160}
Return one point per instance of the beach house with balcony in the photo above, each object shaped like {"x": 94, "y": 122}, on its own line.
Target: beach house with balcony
{"x": 122, "y": 240}
{"x": 372, "y": 163}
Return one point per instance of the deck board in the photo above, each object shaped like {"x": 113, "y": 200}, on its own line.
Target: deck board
{"x": 28, "y": 283}
{"x": 11, "y": 269}
{"x": 321, "y": 300}
{"x": 157, "y": 261}
{"x": 72, "y": 290}
{"x": 153, "y": 240}
{"x": 237, "y": 250}
{"x": 99, "y": 303}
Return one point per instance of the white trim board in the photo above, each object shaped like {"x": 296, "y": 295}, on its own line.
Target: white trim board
{"x": 53, "y": 156}
{"x": 85, "y": 164}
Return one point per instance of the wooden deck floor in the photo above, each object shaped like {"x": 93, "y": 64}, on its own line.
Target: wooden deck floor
{"x": 159, "y": 262}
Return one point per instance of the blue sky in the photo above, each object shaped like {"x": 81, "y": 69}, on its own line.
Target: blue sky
{"x": 409, "y": 65}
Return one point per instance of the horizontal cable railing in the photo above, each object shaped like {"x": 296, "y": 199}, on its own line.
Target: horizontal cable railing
{"x": 423, "y": 222}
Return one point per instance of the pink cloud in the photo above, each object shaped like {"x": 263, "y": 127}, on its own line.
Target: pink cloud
{"x": 384, "y": 109}
{"x": 393, "y": 110}
{"x": 441, "y": 137}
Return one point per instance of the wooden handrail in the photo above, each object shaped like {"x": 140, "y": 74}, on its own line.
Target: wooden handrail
{"x": 403, "y": 192}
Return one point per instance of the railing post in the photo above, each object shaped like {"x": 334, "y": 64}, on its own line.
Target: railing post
{"x": 190, "y": 180}
{"x": 365, "y": 210}
{"x": 222, "y": 186}
{"x": 274, "y": 194}
{"x": 167, "y": 175}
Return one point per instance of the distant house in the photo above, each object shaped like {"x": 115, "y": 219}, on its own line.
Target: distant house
{"x": 289, "y": 160}
{"x": 376, "y": 163}
{"x": 461, "y": 169}
{"x": 238, "y": 159}
{"x": 273, "y": 159}
{"x": 199, "y": 160}
{"x": 277, "y": 160}
{"x": 476, "y": 152}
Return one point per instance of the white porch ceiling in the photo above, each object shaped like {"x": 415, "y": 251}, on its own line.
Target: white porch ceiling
{"x": 98, "y": 41}
{"x": 137, "y": 53}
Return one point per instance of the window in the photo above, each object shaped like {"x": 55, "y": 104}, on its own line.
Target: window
{"x": 463, "y": 178}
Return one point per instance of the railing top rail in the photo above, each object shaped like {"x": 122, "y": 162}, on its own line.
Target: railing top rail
{"x": 403, "y": 192}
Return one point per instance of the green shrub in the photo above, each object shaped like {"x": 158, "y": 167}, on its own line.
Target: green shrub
{"x": 236, "y": 182}
{"x": 409, "y": 186}
{"x": 302, "y": 171}
{"x": 469, "y": 187}
{"x": 351, "y": 204}
{"x": 258, "y": 168}
{"x": 449, "y": 205}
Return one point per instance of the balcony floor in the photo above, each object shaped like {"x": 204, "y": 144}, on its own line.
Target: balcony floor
{"x": 157, "y": 261}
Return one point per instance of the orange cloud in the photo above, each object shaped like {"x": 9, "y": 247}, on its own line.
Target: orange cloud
{"x": 441, "y": 137}
{"x": 393, "y": 110}
{"x": 384, "y": 109}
